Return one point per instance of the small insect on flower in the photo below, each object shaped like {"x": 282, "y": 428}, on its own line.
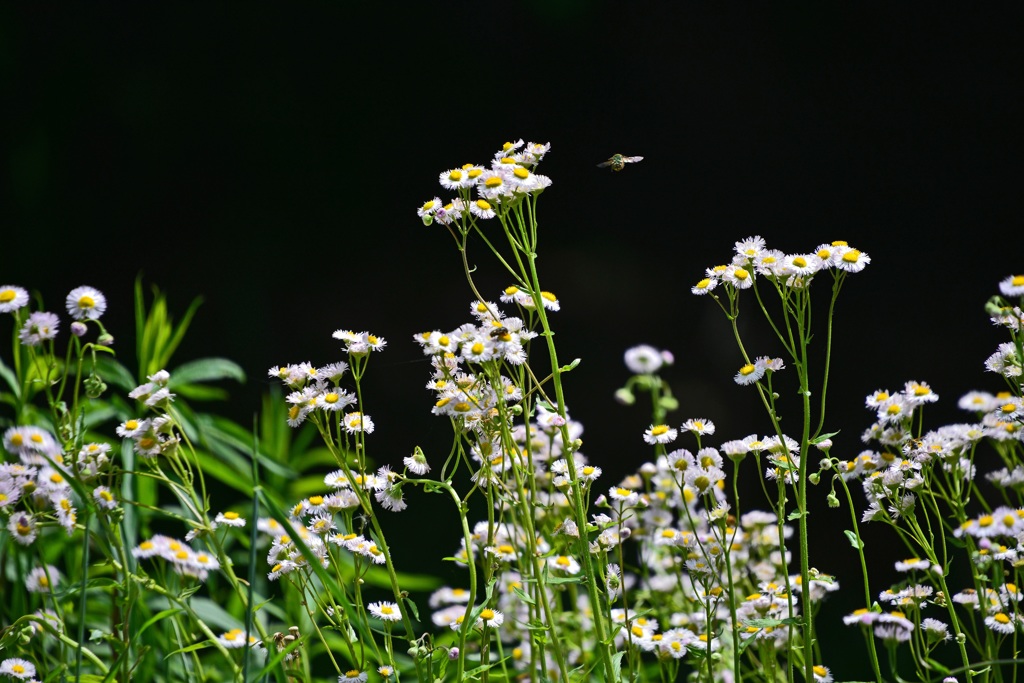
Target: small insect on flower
{"x": 618, "y": 162}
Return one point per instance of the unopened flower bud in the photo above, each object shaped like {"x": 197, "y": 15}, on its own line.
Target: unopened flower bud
{"x": 78, "y": 328}
{"x": 453, "y": 653}
{"x": 825, "y": 464}
{"x": 814, "y": 478}
{"x": 833, "y": 500}
{"x": 106, "y": 339}
{"x": 669, "y": 403}
{"x": 625, "y": 396}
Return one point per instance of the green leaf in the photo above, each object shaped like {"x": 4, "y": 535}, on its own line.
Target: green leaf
{"x": 854, "y": 541}
{"x": 617, "y": 665}
{"x": 795, "y": 515}
{"x": 213, "y": 614}
{"x": 199, "y": 392}
{"x": 523, "y": 596}
{"x": 570, "y": 366}
{"x": 115, "y": 374}
{"x": 206, "y": 370}
{"x": 556, "y": 580}
{"x": 822, "y": 437}
{"x": 772, "y": 623}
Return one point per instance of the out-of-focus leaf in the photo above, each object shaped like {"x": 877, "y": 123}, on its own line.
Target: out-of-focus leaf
{"x": 206, "y": 370}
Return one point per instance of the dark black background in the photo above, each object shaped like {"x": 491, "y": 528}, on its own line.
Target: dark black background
{"x": 271, "y": 158}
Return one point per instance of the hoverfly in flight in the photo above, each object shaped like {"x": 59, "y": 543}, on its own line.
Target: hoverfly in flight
{"x": 618, "y": 162}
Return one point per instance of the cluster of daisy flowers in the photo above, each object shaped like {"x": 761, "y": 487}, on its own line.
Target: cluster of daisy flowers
{"x": 674, "y": 514}
{"x": 314, "y": 390}
{"x": 463, "y": 390}
{"x": 906, "y": 465}
{"x": 675, "y": 511}
{"x": 83, "y": 304}
{"x": 753, "y": 259}
{"x": 34, "y": 491}
{"x": 183, "y": 558}
{"x": 483, "y": 191}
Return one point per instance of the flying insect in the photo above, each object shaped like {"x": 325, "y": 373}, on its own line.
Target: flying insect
{"x": 618, "y": 162}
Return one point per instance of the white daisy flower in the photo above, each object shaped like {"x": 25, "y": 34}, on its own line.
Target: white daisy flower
{"x": 12, "y": 298}
{"x": 229, "y": 519}
{"x": 852, "y": 260}
{"x": 564, "y": 563}
{"x": 357, "y": 422}
{"x": 1011, "y": 286}
{"x": 481, "y": 208}
{"x": 385, "y": 611}
{"x": 17, "y": 668}
{"x": 86, "y": 303}
{"x": 662, "y": 434}
{"x": 749, "y": 374}
{"x": 42, "y": 579}
{"x": 235, "y": 638}
{"x": 704, "y": 286}
{"x": 39, "y": 327}
{"x": 490, "y": 618}
{"x": 740, "y": 278}
{"x": 1000, "y": 622}
{"x": 643, "y": 359}
{"x": 699, "y": 426}
{"x": 104, "y": 498}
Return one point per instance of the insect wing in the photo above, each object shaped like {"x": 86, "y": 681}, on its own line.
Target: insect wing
{"x": 605, "y": 164}
{"x": 632, "y": 160}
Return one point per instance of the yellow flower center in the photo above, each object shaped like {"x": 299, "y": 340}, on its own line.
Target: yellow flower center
{"x": 86, "y": 301}
{"x": 7, "y": 296}
{"x": 741, "y": 274}
{"x": 483, "y": 205}
{"x": 487, "y": 614}
{"x": 851, "y": 256}
{"x": 800, "y": 262}
{"x": 455, "y": 176}
{"x": 658, "y": 430}
{"x": 747, "y": 369}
